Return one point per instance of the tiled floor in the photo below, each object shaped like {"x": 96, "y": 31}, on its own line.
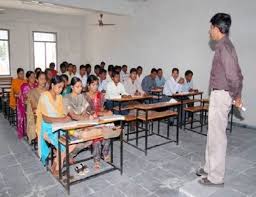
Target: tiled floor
{"x": 167, "y": 170}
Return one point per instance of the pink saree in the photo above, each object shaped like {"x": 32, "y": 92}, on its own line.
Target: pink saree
{"x": 21, "y": 109}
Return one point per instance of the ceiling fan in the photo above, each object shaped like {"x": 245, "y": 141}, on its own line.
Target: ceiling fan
{"x": 101, "y": 23}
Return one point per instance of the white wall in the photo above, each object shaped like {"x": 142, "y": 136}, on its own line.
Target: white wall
{"x": 168, "y": 33}
{"x": 70, "y": 39}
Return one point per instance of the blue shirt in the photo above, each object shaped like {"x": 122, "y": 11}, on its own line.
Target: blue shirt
{"x": 160, "y": 82}
{"x": 148, "y": 84}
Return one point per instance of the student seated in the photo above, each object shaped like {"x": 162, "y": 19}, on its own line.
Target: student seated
{"x": 63, "y": 68}
{"x": 132, "y": 85}
{"x": 82, "y": 75}
{"x": 50, "y": 110}
{"x": 97, "y": 70}
{"x": 140, "y": 76}
{"x": 21, "y": 103}
{"x": 173, "y": 85}
{"x": 88, "y": 69}
{"x": 188, "y": 84}
{"x": 102, "y": 65}
{"x": 124, "y": 75}
{"x": 52, "y": 67}
{"x": 109, "y": 74}
{"x": 48, "y": 74}
{"x": 66, "y": 89}
{"x": 69, "y": 72}
{"x": 103, "y": 81}
{"x": 160, "y": 80}
{"x": 32, "y": 102}
{"x": 96, "y": 103}
{"x": 15, "y": 87}
{"x": 149, "y": 82}
{"x": 74, "y": 69}
{"x": 115, "y": 89}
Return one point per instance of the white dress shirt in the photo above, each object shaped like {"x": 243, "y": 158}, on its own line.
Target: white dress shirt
{"x": 109, "y": 79}
{"x": 103, "y": 85}
{"x": 115, "y": 91}
{"x": 83, "y": 79}
{"x": 131, "y": 87}
{"x": 124, "y": 76}
{"x": 171, "y": 87}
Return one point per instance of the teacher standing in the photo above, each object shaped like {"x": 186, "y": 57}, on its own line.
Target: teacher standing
{"x": 226, "y": 86}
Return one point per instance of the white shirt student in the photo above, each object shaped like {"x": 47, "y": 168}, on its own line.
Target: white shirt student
{"x": 82, "y": 75}
{"x": 173, "y": 85}
{"x": 132, "y": 85}
{"x": 115, "y": 89}
{"x": 188, "y": 85}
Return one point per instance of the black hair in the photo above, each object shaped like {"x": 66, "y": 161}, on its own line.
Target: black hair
{"x": 114, "y": 73}
{"x": 38, "y": 70}
{"x": 102, "y": 71}
{"x": 96, "y": 67}
{"x": 124, "y": 66}
{"x": 74, "y": 80}
{"x": 159, "y": 69}
{"x": 20, "y": 70}
{"x": 153, "y": 70}
{"x": 47, "y": 70}
{"x": 88, "y": 66}
{"x": 91, "y": 79}
{"x": 64, "y": 77}
{"x": 110, "y": 67}
{"x": 74, "y": 66}
{"x": 56, "y": 80}
{"x": 38, "y": 74}
{"x": 52, "y": 64}
{"x": 222, "y": 21}
{"x": 82, "y": 66}
{"x": 188, "y": 72}
{"x": 70, "y": 65}
{"x": 102, "y": 63}
{"x": 175, "y": 69}
{"x": 139, "y": 67}
{"x": 133, "y": 70}
{"x": 29, "y": 73}
{"x": 62, "y": 65}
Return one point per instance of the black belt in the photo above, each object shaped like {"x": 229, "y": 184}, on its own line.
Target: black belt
{"x": 219, "y": 89}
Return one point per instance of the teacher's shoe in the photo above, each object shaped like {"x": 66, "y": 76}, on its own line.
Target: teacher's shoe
{"x": 201, "y": 172}
{"x": 204, "y": 181}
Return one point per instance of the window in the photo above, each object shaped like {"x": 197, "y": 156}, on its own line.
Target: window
{"x": 45, "y": 49}
{"x": 4, "y": 52}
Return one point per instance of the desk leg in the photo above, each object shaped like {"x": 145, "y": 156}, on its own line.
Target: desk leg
{"x": 177, "y": 130}
{"x": 181, "y": 114}
{"x": 111, "y": 146}
{"x": 146, "y": 133}
{"x": 137, "y": 125}
{"x": 67, "y": 164}
{"x": 121, "y": 149}
{"x": 59, "y": 155}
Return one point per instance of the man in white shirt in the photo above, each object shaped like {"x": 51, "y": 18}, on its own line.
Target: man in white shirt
{"x": 173, "y": 85}
{"x": 124, "y": 75}
{"x": 102, "y": 81}
{"x": 115, "y": 89}
{"x": 82, "y": 75}
{"x": 69, "y": 73}
{"x": 140, "y": 76}
{"x": 188, "y": 85}
{"x": 109, "y": 74}
{"x": 131, "y": 85}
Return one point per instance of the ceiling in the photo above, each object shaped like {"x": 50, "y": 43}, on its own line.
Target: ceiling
{"x": 73, "y": 7}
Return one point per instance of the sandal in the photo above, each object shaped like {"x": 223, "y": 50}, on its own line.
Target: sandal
{"x": 204, "y": 181}
{"x": 83, "y": 170}
{"x": 107, "y": 158}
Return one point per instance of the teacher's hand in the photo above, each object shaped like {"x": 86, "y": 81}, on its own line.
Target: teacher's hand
{"x": 238, "y": 102}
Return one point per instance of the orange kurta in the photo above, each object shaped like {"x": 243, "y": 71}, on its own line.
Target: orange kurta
{"x": 15, "y": 90}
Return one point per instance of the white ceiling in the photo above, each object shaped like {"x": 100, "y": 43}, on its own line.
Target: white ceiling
{"x": 74, "y": 7}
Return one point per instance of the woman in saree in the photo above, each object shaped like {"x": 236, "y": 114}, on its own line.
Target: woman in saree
{"x": 15, "y": 87}
{"x": 96, "y": 102}
{"x": 32, "y": 101}
{"x": 50, "y": 110}
{"x": 21, "y": 103}
{"x": 78, "y": 108}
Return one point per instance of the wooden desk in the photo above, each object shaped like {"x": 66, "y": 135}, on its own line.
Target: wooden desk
{"x": 149, "y": 115}
{"x": 180, "y": 97}
{"x": 158, "y": 92}
{"x": 64, "y": 140}
{"x": 128, "y": 99}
